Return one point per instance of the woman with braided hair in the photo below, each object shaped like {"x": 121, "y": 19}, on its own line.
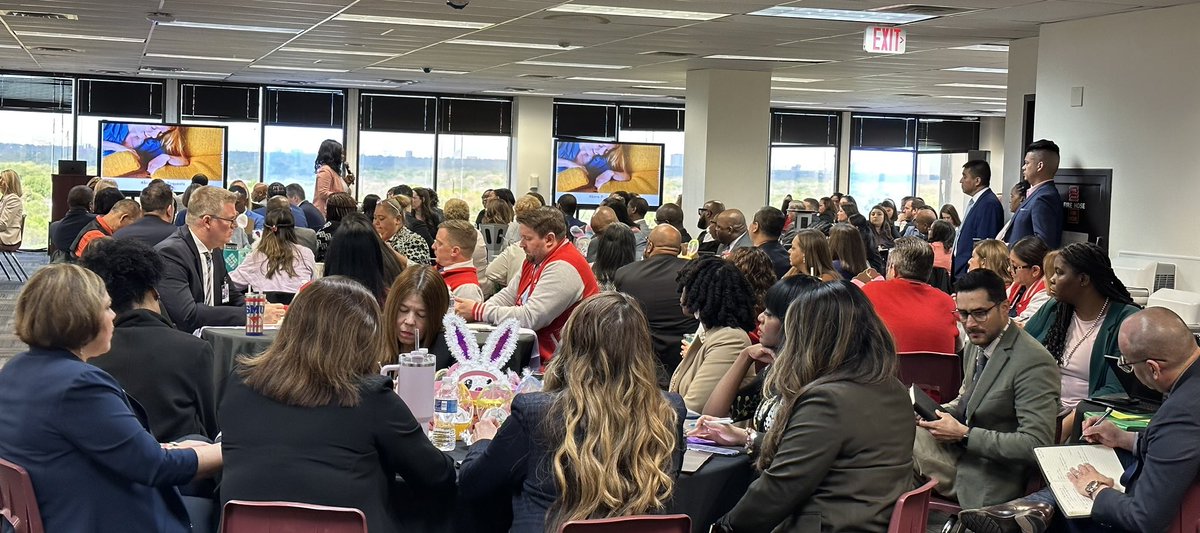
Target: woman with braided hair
{"x": 1080, "y": 327}
{"x": 719, "y": 296}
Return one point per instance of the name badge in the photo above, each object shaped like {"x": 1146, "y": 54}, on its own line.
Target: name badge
{"x": 225, "y": 292}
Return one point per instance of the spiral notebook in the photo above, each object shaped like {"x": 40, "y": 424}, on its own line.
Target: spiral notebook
{"x": 1057, "y": 461}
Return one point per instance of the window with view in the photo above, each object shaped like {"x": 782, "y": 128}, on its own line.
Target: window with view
{"x": 470, "y": 164}
{"x": 803, "y": 155}
{"x": 387, "y": 159}
{"x": 290, "y": 152}
{"x": 31, "y": 143}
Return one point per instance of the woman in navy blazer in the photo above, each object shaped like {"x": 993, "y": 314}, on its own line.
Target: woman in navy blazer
{"x": 93, "y": 464}
{"x": 600, "y": 441}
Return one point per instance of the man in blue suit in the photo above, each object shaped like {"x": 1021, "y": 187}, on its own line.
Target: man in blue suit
{"x": 984, "y": 214}
{"x": 1042, "y": 212}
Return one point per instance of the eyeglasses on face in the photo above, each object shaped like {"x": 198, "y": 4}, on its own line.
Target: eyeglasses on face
{"x": 1126, "y": 365}
{"x": 702, "y": 211}
{"x": 980, "y": 315}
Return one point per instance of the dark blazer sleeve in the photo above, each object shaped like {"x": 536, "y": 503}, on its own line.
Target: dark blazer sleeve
{"x": 93, "y": 415}
{"x": 205, "y": 391}
{"x": 178, "y": 296}
{"x": 810, "y": 443}
{"x": 403, "y": 446}
{"x": 492, "y": 466}
{"x": 1047, "y": 213}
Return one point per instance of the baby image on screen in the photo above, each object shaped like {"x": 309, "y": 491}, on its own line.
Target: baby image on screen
{"x": 155, "y": 146}
{"x": 603, "y": 162}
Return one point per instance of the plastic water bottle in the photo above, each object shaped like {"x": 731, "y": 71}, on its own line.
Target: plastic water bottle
{"x": 445, "y": 408}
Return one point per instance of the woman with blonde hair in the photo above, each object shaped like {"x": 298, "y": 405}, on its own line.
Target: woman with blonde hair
{"x": 12, "y": 208}
{"x": 278, "y": 263}
{"x": 810, "y": 256}
{"x": 390, "y": 225}
{"x": 991, "y": 254}
{"x": 571, "y": 448}
{"x": 416, "y": 303}
{"x": 311, "y": 420}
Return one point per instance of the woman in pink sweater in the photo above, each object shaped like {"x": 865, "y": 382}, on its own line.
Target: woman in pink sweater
{"x": 330, "y": 176}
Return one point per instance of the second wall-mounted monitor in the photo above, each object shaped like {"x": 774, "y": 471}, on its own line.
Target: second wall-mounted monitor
{"x": 133, "y": 153}
{"x": 591, "y": 171}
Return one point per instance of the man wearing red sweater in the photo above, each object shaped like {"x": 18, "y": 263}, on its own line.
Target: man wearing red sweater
{"x": 920, "y": 317}
{"x": 554, "y": 279}
{"x": 453, "y": 238}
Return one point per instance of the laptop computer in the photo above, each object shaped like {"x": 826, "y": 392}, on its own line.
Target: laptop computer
{"x": 1138, "y": 398}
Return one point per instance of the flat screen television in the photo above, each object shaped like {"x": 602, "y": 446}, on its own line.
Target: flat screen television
{"x": 133, "y": 153}
{"x": 591, "y": 171}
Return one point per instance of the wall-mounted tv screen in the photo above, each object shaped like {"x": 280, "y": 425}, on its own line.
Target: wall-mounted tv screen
{"x": 591, "y": 171}
{"x": 133, "y": 153}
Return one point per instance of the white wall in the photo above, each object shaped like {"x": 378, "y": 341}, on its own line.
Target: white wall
{"x": 1140, "y": 117}
{"x": 533, "y": 145}
{"x": 1022, "y": 80}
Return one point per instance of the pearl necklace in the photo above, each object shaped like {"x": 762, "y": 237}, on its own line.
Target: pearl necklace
{"x": 1091, "y": 329}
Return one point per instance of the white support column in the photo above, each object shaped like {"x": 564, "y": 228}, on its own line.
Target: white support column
{"x": 727, "y": 138}
{"x": 533, "y": 145}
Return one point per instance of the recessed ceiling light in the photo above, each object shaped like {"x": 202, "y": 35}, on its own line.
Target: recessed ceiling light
{"x": 973, "y": 85}
{"x": 337, "y": 52}
{"x": 230, "y": 27}
{"x": 975, "y": 97}
{"x": 843, "y": 15}
{"x": 201, "y": 58}
{"x": 410, "y": 69}
{"x": 185, "y": 74}
{"x": 51, "y": 35}
{"x": 168, "y": 70}
{"x": 506, "y": 44}
{"x": 406, "y": 21}
{"x": 613, "y": 80}
{"x": 807, "y": 89}
{"x": 784, "y": 102}
{"x": 571, "y": 65}
{"x": 636, "y": 12}
{"x": 766, "y": 58}
{"x": 303, "y": 69}
{"x": 982, "y": 70}
{"x": 521, "y": 93}
{"x": 983, "y": 47}
{"x": 795, "y": 80}
{"x": 658, "y": 87}
{"x": 603, "y": 93}
{"x": 9, "y": 46}
{"x": 991, "y": 103}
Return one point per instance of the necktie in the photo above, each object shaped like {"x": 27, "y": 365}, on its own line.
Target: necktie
{"x": 207, "y": 274}
{"x": 980, "y": 363}
{"x": 970, "y": 204}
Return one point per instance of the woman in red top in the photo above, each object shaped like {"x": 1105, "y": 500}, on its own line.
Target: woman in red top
{"x": 1028, "y": 292}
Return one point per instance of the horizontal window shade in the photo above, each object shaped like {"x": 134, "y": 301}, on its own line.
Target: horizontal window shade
{"x": 381, "y": 112}
{"x": 206, "y": 101}
{"x": 651, "y": 118}
{"x": 299, "y": 107}
{"x": 463, "y": 115}
{"x": 36, "y": 93}
{"x": 883, "y": 132}
{"x": 947, "y": 135}
{"x": 585, "y": 120}
{"x": 121, "y": 98}
{"x": 808, "y": 129}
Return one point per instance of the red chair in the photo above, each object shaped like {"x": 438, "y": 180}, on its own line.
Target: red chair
{"x": 938, "y": 374}
{"x": 257, "y": 517}
{"x": 1188, "y": 520}
{"x": 671, "y": 523}
{"x": 911, "y": 514}
{"x": 17, "y": 502}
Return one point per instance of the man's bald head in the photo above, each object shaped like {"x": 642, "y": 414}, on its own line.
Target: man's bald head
{"x": 603, "y": 216}
{"x": 1158, "y": 345}
{"x": 670, "y": 214}
{"x": 664, "y": 239}
{"x": 924, "y": 219}
{"x": 728, "y": 226}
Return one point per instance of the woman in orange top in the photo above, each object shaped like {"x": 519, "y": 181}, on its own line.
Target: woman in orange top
{"x": 330, "y": 176}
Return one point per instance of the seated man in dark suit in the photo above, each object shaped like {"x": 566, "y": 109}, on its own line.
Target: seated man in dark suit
{"x": 169, "y": 372}
{"x": 652, "y": 283}
{"x": 295, "y": 196}
{"x": 673, "y": 215}
{"x": 158, "y": 216}
{"x": 1160, "y": 351}
{"x": 980, "y": 450}
{"x": 708, "y": 213}
{"x": 79, "y": 214}
{"x": 764, "y": 233}
{"x": 195, "y": 288}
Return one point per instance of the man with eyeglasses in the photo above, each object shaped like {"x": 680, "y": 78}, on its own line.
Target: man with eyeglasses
{"x": 708, "y": 241}
{"x": 195, "y": 288}
{"x": 1159, "y": 350}
{"x": 980, "y": 450}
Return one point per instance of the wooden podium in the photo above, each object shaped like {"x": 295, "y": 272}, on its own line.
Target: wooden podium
{"x": 60, "y": 186}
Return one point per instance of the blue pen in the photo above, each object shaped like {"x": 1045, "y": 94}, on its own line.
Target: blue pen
{"x": 1101, "y": 418}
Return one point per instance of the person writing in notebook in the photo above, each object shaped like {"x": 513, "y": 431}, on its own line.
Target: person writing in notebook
{"x": 1160, "y": 351}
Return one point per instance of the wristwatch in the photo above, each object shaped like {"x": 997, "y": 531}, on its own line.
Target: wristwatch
{"x": 1091, "y": 488}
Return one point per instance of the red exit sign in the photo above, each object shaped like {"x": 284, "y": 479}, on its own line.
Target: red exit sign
{"x": 884, "y": 40}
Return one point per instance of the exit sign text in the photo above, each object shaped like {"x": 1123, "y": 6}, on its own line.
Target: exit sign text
{"x": 884, "y": 40}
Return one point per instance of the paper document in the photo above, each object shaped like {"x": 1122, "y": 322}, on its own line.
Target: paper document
{"x": 693, "y": 460}
{"x": 1057, "y": 461}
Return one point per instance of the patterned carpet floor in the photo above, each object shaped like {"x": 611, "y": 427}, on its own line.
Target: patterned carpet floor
{"x": 10, "y": 345}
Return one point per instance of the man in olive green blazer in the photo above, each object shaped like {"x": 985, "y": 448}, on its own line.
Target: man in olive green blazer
{"x": 981, "y": 453}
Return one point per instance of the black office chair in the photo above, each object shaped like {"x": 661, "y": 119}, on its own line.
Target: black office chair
{"x": 277, "y": 297}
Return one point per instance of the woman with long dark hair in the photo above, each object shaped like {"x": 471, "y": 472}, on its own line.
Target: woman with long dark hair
{"x": 853, "y": 217}
{"x": 423, "y": 207}
{"x": 417, "y": 302}
{"x": 357, "y": 252}
{"x": 278, "y": 262}
{"x": 1027, "y": 294}
{"x": 882, "y": 228}
{"x": 1079, "y": 328}
{"x": 368, "y": 205}
{"x": 340, "y": 204}
{"x": 333, "y": 174}
{"x": 941, "y": 237}
{"x": 810, "y": 256}
{"x": 849, "y": 254}
{"x": 571, "y": 452}
{"x": 614, "y": 249}
{"x": 949, "y": 214}
{"x": 819, "y": 472}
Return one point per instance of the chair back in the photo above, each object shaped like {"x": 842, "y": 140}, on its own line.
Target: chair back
{"x": 257, "y": 517}
{"x": 277, "y": 297}
{"x": 939, "y": 375}
{"x": 1188, "y": 520}
{"x": 911, "y": 514}
{"x": 17, "y": 502}
{"x": 670, "y": 523}
{"x": 939, "y": 278}
{"x": 493, "y": 236}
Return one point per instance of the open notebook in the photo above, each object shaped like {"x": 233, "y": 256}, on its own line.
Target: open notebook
{"x": 1057, "y": 461}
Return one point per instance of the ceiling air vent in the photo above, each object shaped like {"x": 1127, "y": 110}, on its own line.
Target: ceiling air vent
{"x": 397, "y": 82}
{"x": 39, "y": 15}
{"x": 162, "y": 69}
{"x": 664, "y": 53}
{"x": 540, "y": 76}
{"x": 858, "y": 107}
{"x": 924, "y": 9}
{"x": 55, "y": 50}
{"x": 913, "y": 95}
{"x": 109, "y": 72}
{"x": 520, "y": 89}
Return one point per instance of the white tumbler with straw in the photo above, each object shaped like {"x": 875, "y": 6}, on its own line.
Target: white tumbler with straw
{"x": 414, "y": 383}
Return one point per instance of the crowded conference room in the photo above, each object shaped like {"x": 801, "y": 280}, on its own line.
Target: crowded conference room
{"x": 587, "y": 266}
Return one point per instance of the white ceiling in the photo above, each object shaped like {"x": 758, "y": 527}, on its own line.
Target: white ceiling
{"x": 907, "y": 83}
